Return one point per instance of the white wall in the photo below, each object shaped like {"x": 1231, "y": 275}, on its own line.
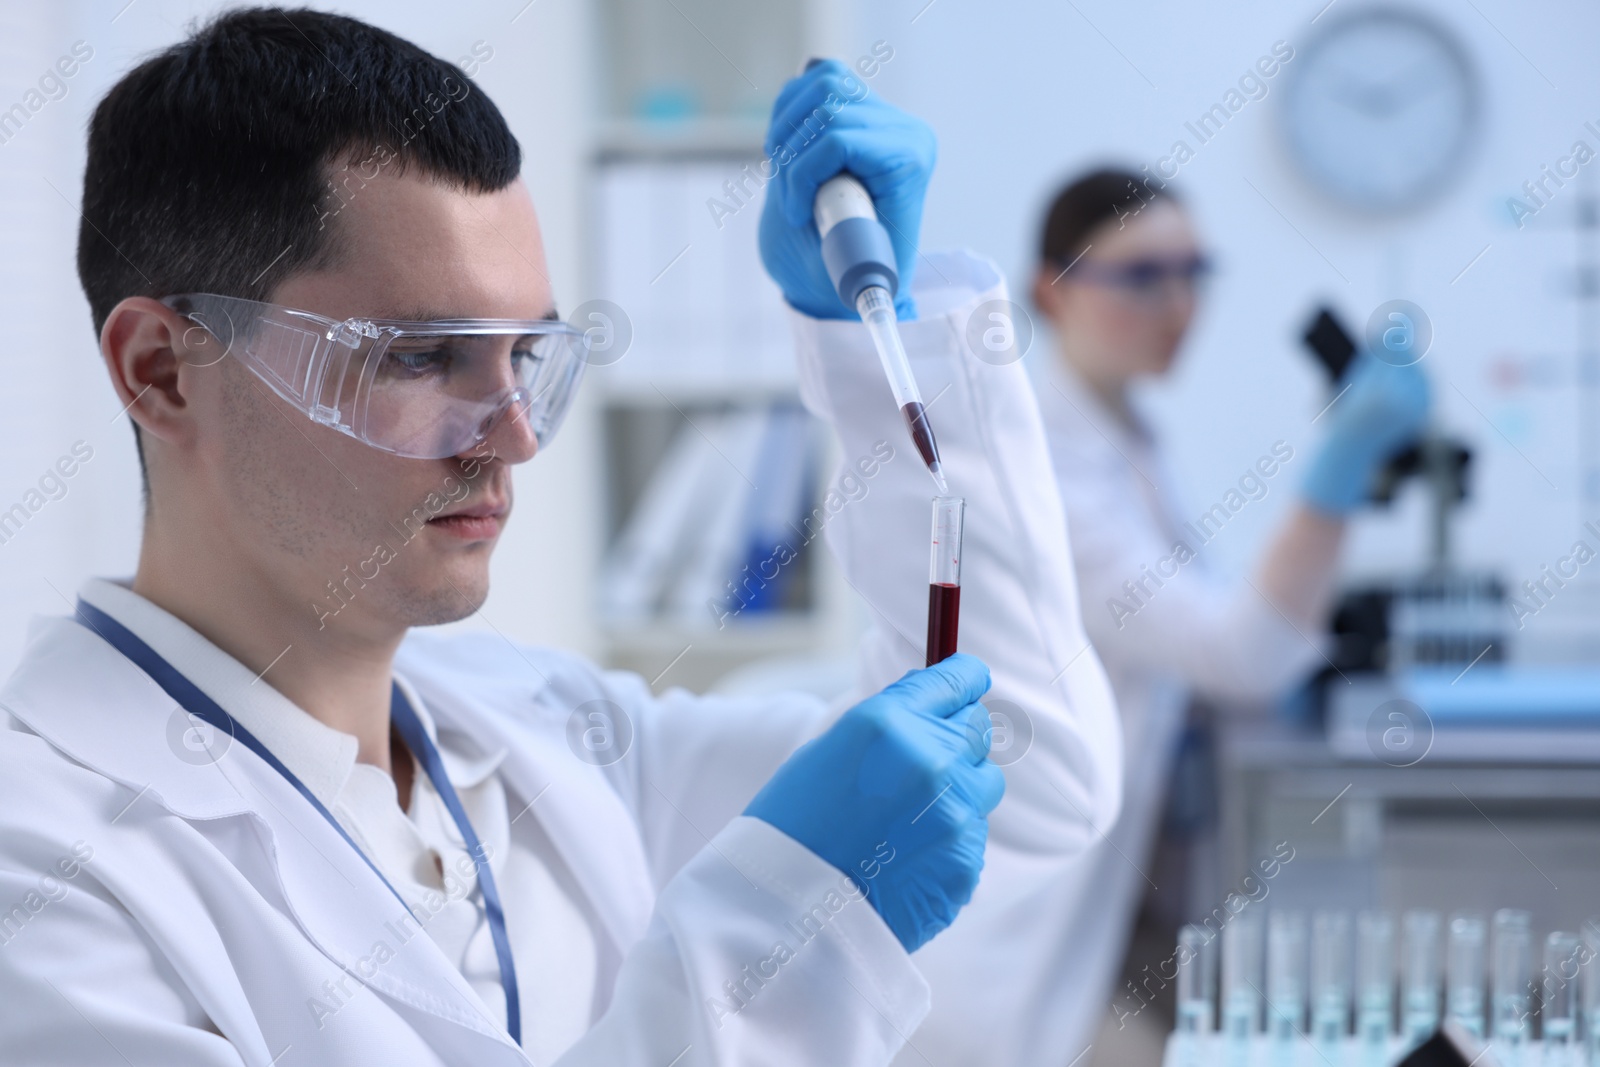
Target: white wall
{"x": 540, "y": 76}
{"x": 1026, "y": 93}
{"x": 56, "y": 391}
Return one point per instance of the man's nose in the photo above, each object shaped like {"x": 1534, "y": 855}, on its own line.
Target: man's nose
{"x": 510, "y": 438}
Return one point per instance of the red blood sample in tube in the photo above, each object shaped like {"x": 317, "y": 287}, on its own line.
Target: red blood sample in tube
{"x": 944, "y": 578}
{"x": 944, "y": 617}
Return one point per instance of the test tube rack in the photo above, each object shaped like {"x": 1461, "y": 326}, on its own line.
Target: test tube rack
{"x": 1343, "y": 989}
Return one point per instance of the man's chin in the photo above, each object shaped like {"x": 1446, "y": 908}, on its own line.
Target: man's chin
{"x": 448, "y": 594}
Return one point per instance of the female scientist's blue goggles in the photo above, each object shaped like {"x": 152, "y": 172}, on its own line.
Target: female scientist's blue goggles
{"x": 1145, "y": 278}
{"x": 427, "y": 390}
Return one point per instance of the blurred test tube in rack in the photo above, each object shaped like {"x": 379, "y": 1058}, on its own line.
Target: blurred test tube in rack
{"x": 1241, "y": 984}
{"x": 1511, "y": 988}
{"x": 1420, "y": 976}
{"x": 1558, "y": 1007}
{"x": 1197, "y": 988}
{"x": 1589, "y": 988}
{"x": 1374, "y": 984}
{"x": 1330, "y": 979}
{"x": 1286, "y": 981}
{"x": 1464, "y": 973}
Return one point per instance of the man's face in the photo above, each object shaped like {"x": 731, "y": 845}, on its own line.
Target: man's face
{"x": 310, "y": 506}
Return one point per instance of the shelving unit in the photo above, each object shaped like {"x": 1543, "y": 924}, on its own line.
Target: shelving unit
{"x": 687, "y": 88}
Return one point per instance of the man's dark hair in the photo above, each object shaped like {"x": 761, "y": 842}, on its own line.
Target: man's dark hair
{"x": 220, "y": 164}
{"x": 1086, "y": 202}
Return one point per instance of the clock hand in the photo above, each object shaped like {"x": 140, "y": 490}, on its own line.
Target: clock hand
{"x": 1422, "y": 81}
{"x": 1382, "y": 100}
{"x": 1362, "y": 97}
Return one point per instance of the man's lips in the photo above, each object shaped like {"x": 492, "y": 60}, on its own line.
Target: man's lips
{"x": 480, "y": 510}
{"x": 480, "y": 521}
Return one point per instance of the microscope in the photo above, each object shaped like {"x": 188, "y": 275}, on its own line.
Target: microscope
{"x": 1442, "y": 615}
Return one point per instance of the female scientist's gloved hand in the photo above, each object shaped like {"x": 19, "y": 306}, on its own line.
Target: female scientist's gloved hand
{"x": 826, "y": 121}
{"x": 896, "y": 794}
{"x": 1383, "y": 410}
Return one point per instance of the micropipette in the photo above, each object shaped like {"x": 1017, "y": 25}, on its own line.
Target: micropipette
{"x": 860, "y": 262}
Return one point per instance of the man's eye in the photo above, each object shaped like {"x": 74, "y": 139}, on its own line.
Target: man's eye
{"x": 420, "y": 361}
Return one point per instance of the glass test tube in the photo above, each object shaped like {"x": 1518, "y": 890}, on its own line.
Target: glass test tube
{"x": 1590, "y": 988}
{"x": 1464, "y": 973}
{"x": 944, "y": 577}
{"x": 1241, "y": 979}
{"x": 1512, "y": 981}
{"x": 1330, "y": 976}
{"x": 1286, "y": 976}
{"x": 1558, "y": 1009}
{"x": 1420, "y": 976}
{"x": 1374, "y": 982}
{"x": 1197, "y": 982}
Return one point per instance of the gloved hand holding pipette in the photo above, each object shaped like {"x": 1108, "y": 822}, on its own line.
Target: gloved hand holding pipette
{"x": 823, "y": 125}
{"x": 850, "y": 176}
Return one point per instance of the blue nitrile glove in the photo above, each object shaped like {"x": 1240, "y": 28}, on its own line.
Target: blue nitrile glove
{"x": 826, "y": 121}
{"x": 1384, "y": 409}
{"x": 896, "y": 795}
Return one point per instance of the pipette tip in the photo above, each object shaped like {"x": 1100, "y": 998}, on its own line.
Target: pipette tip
{"x": 938, "y": 479}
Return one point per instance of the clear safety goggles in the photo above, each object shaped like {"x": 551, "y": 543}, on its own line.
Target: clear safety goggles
{"x": 1147, "y": 280}
{"x": 426, "y": 390}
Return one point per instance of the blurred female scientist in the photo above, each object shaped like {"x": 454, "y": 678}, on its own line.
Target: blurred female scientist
{"x": 1163, "y": 625}
{"x": 1117, "y": 279}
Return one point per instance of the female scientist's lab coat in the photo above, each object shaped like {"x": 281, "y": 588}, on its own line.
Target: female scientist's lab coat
{"x": 164, "y": 911}
{"x": 1189, "y": 632}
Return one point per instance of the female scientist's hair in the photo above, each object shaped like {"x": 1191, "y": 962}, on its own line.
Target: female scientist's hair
{"x": 1083, "y": 204}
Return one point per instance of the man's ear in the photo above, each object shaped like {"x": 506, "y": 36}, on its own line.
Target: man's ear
{"x": 152, "y": 354}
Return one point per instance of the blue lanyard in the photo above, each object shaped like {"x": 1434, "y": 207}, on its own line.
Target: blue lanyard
{"x": 196, "y": 703}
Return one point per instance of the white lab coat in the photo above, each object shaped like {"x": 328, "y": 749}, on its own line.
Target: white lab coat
{"x": 206, "y": 904}
{"x": 1195, "y": 632}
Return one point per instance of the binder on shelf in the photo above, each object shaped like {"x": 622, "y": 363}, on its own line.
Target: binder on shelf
{"x": 705, "y": 314}
{"x": 767, "y": 572}
{"x": 709, "y": 541}
{"x": 641, "y": 559}
{"x": 718, "y": 540}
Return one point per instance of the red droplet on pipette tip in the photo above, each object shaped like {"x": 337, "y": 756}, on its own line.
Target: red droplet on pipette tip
{"x": 921, "y": 434}
{"x": 944, "y": 617}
